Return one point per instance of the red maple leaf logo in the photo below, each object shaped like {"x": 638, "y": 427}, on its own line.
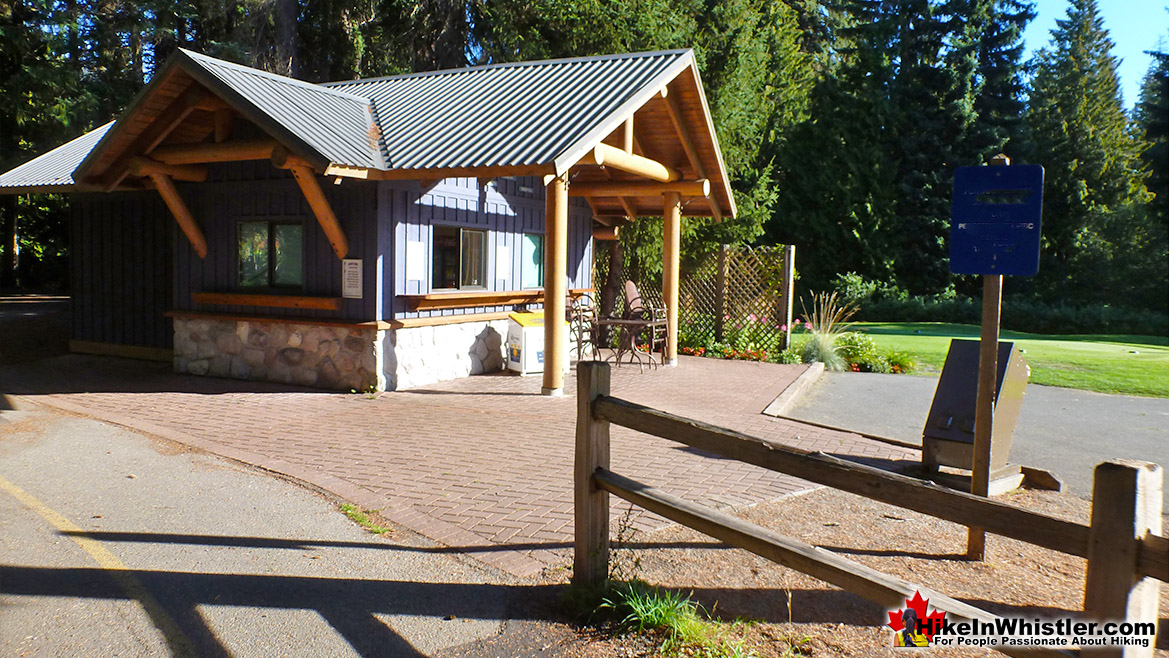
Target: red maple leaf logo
{"x": 930, "y": 623}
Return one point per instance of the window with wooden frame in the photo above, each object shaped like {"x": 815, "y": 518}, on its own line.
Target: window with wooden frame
{"x": 458, "y": 259}
{"x": 270, "y": 254}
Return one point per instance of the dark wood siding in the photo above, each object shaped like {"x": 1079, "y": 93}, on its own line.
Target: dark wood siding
{"x": 507, "y": 210}
{"x": 120, "y": 269}
{"x": 220, "y": 206}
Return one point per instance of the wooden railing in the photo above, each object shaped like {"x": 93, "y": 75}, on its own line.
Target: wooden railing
{"x": 1125, "y": 556}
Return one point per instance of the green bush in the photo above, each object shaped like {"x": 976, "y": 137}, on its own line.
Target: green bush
{"x": 881, "y": 302}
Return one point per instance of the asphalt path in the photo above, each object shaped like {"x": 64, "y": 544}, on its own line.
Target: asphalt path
{"x": 114, "y": 544}
{"x": 1065, "y": 431}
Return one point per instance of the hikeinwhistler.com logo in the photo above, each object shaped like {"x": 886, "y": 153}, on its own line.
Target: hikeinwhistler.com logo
{"x": 916, "y": 625}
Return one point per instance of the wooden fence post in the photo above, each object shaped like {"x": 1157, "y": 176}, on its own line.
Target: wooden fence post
{"x": 591, "y": 561}
{"x": 1126, "y": 505}
{"x": 789, "y": 292}
{"x": 720, "y": 293}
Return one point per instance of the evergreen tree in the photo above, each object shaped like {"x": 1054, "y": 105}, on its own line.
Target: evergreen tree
{"x": 1149, "y": 280}
{"x": 1080, "y": 135}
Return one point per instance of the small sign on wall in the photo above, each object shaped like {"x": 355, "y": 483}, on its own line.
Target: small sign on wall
{"x": 502, "y": 262}
{"x": 415, "y": 261}
{"x": 351, "y": 278}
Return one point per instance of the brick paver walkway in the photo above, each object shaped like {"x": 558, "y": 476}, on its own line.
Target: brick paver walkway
{"x": 482, "y": 464}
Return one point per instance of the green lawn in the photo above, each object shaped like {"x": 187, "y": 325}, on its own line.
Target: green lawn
{"x": 1108, "y": 363}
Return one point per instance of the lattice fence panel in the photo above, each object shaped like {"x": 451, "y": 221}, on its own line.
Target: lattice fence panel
{"x": 748, "y": 305}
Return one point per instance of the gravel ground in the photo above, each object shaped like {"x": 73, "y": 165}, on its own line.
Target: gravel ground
{"x": 821, "y": 620}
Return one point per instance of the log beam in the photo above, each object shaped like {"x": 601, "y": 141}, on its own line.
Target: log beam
{"x": 140, "y": 166}
{"x": 224, "y": 123}
{"x": 170, "y": 195}
{"x": 606, "y": 232}
{"x": 152, "y": 136}
{"x": 674, "y": 107}
{"x": 689, "y": 188}
{"x": 619, "y": 159}
{"x": 311, "y": 189}
{"x": 207, "y": 152}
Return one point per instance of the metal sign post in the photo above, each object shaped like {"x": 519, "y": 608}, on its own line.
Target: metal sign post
{"x": 995, "y": 232}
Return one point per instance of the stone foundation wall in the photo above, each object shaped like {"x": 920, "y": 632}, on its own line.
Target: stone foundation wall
{"x": 340, "y": 358}
{"x": 417, "y": 356}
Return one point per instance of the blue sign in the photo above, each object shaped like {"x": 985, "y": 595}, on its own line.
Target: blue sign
{"x": 996, "y": 220}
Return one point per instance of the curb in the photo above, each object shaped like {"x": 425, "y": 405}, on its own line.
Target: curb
{"x": 780, "y": 405}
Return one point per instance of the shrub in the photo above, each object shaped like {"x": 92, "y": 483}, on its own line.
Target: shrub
{"x": 824, "y": 325}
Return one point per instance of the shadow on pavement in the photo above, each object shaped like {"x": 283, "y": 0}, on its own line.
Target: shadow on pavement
{"x": 300, "y": 544}
{"x": 78, "y": 373}
{"x": 348, "y": 605}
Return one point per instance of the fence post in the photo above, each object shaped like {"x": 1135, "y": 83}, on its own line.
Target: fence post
{"x": 591, "y": 561}
{"x": 720, "y": 293}
{"x": 789, "y": 290}
{"x": 1126, "y": 505}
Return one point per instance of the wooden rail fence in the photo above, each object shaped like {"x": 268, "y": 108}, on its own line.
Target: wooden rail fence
{"x": 1127, "y": 556}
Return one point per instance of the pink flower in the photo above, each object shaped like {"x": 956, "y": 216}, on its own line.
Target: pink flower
{"x": 783, "y": 327}
{"x": 752, "y": 317}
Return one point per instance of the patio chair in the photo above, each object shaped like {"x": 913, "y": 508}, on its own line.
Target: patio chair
{"x": 653, "y": 318}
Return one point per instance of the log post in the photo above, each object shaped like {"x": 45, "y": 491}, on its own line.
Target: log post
{"x": 555, "y": 285}
{"x": 720, "y": 293}
{"x": 671, "y": 244}
{"x": 182, "y": 214}
{"x": 1126, "y": 506}
{"x": 789, "y": 292}
{"x": 591, "y": 548}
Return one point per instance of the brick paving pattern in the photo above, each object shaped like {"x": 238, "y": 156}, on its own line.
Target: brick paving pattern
{"x": 481, "y": 464}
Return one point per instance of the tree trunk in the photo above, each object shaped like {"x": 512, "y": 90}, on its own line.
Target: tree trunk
{"x": 8, "y": 220}
{"x": 613, "y": 285}
{"x": 287, "y": 41}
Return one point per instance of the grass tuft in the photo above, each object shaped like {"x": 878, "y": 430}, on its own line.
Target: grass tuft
{"x": 641, "y": 608}
{"x": 362, "y": 519}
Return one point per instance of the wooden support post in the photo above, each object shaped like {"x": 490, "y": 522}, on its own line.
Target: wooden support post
{"x": 992, "y": 291}
{"x": 153, "y": 134}
{"x": 591, "y": 559}
{"x": 627, "y": 135}
{"x": 1126, "y": 506}
{"x": 182, "y": 214}
{"x": 789, "y": 292}
{"x": 555, "y": 284}
{"x": 224, "y": 122}
{"x": 671, "y": 244}
{"x": 311, "y": 189}
{"x": 992, "y": 303}
{"x": 720, "y": 293}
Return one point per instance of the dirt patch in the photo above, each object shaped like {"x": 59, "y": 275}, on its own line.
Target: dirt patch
{"x": 791, "y": 610}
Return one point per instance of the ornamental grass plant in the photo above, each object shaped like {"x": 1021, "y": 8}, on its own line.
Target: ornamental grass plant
{"x": 825, "y": 323}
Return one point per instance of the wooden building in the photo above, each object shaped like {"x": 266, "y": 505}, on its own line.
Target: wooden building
{"x": 370, "y": 234}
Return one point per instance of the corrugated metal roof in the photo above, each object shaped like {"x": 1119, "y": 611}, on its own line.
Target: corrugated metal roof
{"x": 54, "y": 168}
{"x": 336, "y": 124}
{"x": 527, "y": 113}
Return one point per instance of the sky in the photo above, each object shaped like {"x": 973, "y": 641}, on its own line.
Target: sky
{"x": 1134, "y": 25}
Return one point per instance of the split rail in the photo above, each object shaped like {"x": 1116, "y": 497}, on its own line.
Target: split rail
{"x": 1127, "y": 557}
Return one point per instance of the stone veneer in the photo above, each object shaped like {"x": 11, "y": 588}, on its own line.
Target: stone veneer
{"x": 416, "y": 356}
{"x": 340, "y": 358}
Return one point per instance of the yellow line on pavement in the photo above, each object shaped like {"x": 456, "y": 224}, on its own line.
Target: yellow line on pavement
{"x": 179, "y": 644}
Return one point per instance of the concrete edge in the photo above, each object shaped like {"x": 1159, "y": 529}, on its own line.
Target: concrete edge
{"x": 507, "y": 560}
{"x": 790, "y": 395}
